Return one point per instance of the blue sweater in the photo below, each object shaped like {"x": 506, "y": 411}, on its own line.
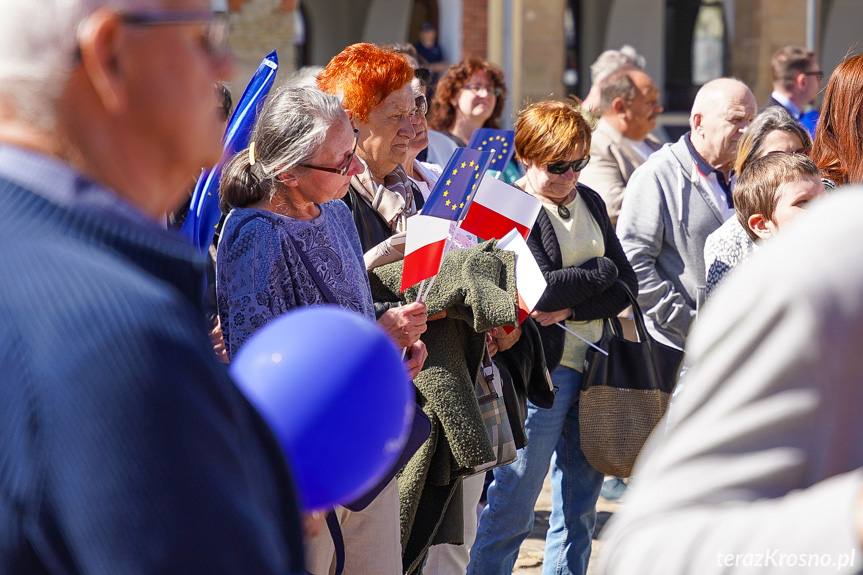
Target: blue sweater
{"x": 124, "y": 446}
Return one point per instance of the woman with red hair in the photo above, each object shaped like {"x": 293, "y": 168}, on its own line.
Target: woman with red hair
{"x": 838, "y": 146}
{"x": 374, "y": 85}
{"x": 469, "y": 96}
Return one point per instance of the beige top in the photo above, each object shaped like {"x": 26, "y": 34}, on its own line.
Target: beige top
{"x": 580, "y": 240}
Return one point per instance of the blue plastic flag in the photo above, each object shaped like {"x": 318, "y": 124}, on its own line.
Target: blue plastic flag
{"x": 454, "y": 189}
{"x": 501, "y": 141}
{"x": 204, "y": 213}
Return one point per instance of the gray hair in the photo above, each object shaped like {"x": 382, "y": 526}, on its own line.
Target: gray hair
{"x": 773, "y": 118}
{"x": 611, "y": 61}
{"x": 38, "y": 42}
{"x": 290, "y": 130}
{"x": 617, "y": 85}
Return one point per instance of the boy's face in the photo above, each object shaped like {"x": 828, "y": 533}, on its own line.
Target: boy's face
{"x": 792, "y": 199}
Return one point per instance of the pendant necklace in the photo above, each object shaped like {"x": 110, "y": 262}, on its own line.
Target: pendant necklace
{"x": 562, "y": 210}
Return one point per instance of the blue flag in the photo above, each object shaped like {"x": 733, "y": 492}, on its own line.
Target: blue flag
{"x": 204, "y": 213}
{"x": 454, "y": 189}
{"x": 501, "y": 141}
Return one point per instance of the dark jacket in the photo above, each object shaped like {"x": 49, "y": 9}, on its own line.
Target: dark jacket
{"x": 126, "y": 448}
{"x": 589, "y": 289}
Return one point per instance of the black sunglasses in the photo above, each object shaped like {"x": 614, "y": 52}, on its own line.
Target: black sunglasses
{"x": 343, "y": 169}
{"x": 422, "y": 74}
{"x": 559, "y": 168}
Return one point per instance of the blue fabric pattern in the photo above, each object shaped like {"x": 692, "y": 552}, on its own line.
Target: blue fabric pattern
{"x": 261, "y": 276}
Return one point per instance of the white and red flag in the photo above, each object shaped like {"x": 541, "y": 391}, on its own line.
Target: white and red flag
{"x": 424, "y": 248}
{"x": 498, "y": 208}
{"x": 529, "y": 281}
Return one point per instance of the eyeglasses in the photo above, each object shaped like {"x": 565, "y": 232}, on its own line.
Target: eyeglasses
{"x": 819, "y": 74}
{"x": 343, "y": 169}
{"x": 217, "y": 25}
{"x": 802, "y": 151}
{"x": 559, "y": 168}
{"x": 422, "y": 105}
{"x": 423, "y": 75}
{"x": 477, "y": 88}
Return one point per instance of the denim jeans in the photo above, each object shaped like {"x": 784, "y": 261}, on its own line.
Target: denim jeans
{"x": 508, "y": 519}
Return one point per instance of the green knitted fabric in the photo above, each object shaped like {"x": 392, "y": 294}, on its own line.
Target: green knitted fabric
{"x": 476, "y": 287}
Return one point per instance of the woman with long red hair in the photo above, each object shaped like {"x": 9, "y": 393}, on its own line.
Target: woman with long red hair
{"x": 838, "y": 146}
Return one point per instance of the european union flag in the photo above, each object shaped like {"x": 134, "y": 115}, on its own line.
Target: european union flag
{"x": 501, "y": 141}
{"x": 455, "y": 187}
{"x": 204, "y": 213}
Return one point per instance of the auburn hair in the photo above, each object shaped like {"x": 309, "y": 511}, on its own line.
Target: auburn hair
{"x": 838, "y": 145}
{"x": 363, "y": 75}
{"x": 549, "y": 131}
{"x": 442, "y": 116}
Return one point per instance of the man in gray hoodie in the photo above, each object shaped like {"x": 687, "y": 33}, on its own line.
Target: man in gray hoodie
{"x": 675, "y": 200}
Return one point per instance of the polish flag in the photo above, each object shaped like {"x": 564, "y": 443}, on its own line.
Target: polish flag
{"x": 424, "y": 248}
{"x": 497, "y": 208}
{"x": 529, "y": 281}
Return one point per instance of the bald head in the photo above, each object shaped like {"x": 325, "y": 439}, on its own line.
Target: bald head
{"x": 721, "y": 112}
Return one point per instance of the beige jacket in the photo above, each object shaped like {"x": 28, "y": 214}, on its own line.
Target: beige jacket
{"x": 612, "y": 161}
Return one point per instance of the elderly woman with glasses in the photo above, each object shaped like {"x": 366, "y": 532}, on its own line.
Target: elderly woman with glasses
{"x": 469, "y": 96}
{"x": 772, "y": 131}
{"x": 289, "y": 242}
{"x": 580, "y": 256}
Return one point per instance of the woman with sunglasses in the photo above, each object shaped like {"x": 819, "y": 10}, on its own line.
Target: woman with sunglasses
{"x": 772, "y": 131}
{"x": 581, "y": 258}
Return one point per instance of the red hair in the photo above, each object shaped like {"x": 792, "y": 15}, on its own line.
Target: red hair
{"x": 549, "y": 131}
{"x": 363, "y": 75}
{"x": 838, "y": 145}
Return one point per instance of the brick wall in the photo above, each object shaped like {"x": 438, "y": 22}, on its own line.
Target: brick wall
{"x": 257, "y": 28}
{"x": 475, "y": 28}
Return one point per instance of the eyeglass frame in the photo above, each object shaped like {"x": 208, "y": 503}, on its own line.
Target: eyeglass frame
{"x": 344, "y": 169}
{"x": 818, "y": 74}
{"x": 576, "y": 166}
{"x": 421, "y": 105}
{"x": 488, "y": 89}
{"x": 218, "y": 23}
{"x": 422, "y": 74}
{"x": 803, "y": 151}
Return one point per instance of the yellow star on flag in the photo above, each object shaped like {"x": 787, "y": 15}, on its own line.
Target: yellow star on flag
{"x": 455, "y": 171}
{"x": 448, "y": 182}
{"x": 447, "y": 202}
{"x": 471, "y": 163}
{"x": 461, "y": 205}
{"x": 463, "y": 165}
{"x": 453, "y": 207}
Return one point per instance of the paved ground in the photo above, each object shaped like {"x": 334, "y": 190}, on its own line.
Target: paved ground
{"x": 530, "y": 557}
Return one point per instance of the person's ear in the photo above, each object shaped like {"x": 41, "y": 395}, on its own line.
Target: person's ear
{"x": 288, "y": 179}
{"x": 618, "y": 106}
{"x": 800, "y": 81}
{"x": 100, "y": 59}
{"x": 697, "y": 119}
{"x": 758, "y": 224}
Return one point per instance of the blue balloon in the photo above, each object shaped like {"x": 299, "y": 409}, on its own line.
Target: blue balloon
{"x": 332, "y": 387}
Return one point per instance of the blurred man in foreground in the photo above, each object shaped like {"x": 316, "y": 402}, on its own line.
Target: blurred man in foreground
{"x": 125, "y": 446}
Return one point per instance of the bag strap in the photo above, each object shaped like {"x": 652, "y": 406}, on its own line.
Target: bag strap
{"x": 338, "y": 541}
{"x": 637, "y": 315}
{"x": 328, "y": 293}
